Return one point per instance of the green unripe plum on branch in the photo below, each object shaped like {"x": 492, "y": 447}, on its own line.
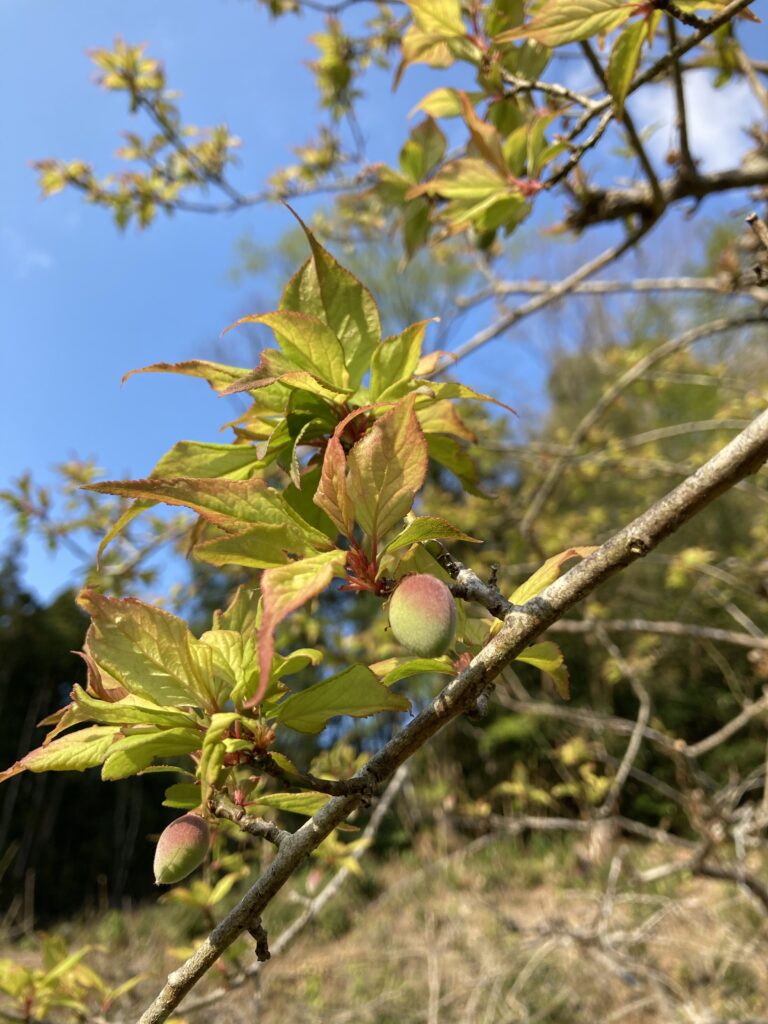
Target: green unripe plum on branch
{"x": 422, "y": 614}
{"x": 181, "y": 848}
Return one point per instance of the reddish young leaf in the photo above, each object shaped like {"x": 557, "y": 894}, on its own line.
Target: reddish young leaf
{"x": 283, "y": 590}
{"x": 332, "y": 495}
{"x": 386, "y": 469}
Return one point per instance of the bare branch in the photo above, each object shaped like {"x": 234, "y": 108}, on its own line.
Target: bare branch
{"x": 257, "y": 827}
{"x": 611, "y": 801}
{"x": 680, "y": 629}
{"x": 743, "y": 456}
{"x": 598, "y": 206}
{"x": 557, "y": 291}
{"x": 681, "y": 120}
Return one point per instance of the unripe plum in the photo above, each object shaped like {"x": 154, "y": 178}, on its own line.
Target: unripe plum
{"x": 181, "y": 848}
{"x": 422, "y": 615}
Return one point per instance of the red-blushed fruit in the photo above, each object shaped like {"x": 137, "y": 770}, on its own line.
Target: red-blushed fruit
{"x": 181, "y": 848}
{"x": 422, "y": 614}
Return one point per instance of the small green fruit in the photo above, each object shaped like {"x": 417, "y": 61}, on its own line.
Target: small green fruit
{"x": 422, "y": 615}
{"x": 181, "y": 848}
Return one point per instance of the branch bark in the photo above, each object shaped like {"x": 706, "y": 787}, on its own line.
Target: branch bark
{"x": 742, "y": 457}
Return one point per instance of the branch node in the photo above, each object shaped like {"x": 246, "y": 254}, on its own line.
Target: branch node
{"x": 258, "y": 932}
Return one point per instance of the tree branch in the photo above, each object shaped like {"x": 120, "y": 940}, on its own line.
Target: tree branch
{"x": 599, "y": 206}
{"x": 742, "y": 457}
{"x": 555, "y": 292}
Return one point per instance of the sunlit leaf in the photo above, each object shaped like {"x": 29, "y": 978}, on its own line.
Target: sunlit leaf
{"x": 548, "y": 657}
{"x": 283, "y": 590}
{"x": 148, "y": 651}
{"x": 424, "y": 528}
{"x": 130, "y": 755}
{"x": 396, "y": 359}
{"x": 557, "y": 22}
{"x": 75, "y": 752}
{"x": 308, "y": 342}
{"x": 332, "y": 494}
{"x": 307, "y": 803}
{"x": 356, "y": 692}
{"x": 547, "y": 574}
{"x": 623, "y": 62}
{"x": 325, "y": 289}
{"x": 394, "y": 669}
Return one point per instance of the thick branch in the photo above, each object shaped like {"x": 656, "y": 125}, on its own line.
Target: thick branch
{"x": 598, "y": 206}
{"x": 743, "y": 456}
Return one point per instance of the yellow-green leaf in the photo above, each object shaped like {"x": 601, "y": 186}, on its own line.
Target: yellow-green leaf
{"x": 548, "y": 657}
{"x": 356, "y": 692}
{"x": 75, "y": 752}
{"x": 623, "y": 62}
{"x": 557, "y": 22}
{"x": 547, "y": 574}
{"x": 424, "y": 528}
{"x": 148, "y": 651}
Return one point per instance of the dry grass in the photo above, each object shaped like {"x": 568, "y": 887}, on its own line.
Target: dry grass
{"x": 499, "y": 934}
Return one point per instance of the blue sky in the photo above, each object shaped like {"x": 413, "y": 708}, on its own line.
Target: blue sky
{"x": 82, "y": 303}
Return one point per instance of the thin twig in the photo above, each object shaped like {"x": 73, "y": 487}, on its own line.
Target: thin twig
{"x": 557, "y": 291}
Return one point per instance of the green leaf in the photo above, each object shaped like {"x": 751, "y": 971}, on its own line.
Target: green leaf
{"x": 394, "y": 669}
{"x": 148, "y": 651}
{"x": 332, "y": 494}
{"x": 203, "y": 460}
{"x": 448, "y": 452}
{"x": 547, "y": 574}
{"x": 548, "y": 657}
{"x": 75, "y": 752}
{"x": 308, "y": 802}
{"x": 235, "y": 661}
{"x": 283, "y": 590}
{"x": 356, "y": 692}
{"x": 386, "y": 469}
{"x": 183, "y": 795}
{"x": 261, "y": 548}
{"x": 423, "y": 528}
{"x": 396, "y": 359}
{"x": 228, "y": 504}
{"x": 295, "y": 662}
{"x": 441, "y": 18}
{"x": 452, "y": 389}
{"x": 308, "y": 343}
{"x": 623, "y": 62}
{"x": 242, "y": 614}
{"x": 131, "y": 710}
{"x": 464, "y": 179}
{"x": 132, "y": 754}
{"x": 558, "y": 22}
{"x": 324, "y": 289}
{"x": 218, "y": 375}
{"x": 212, "y": 755}
{"x": 443, "y": 102}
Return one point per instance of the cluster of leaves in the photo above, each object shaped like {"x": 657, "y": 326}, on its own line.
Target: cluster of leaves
{"x": 63, "y": 982}
{"x": 515, "y": 147}
{"x": 173, "y": 159}
{"x": 345, "y": 423}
